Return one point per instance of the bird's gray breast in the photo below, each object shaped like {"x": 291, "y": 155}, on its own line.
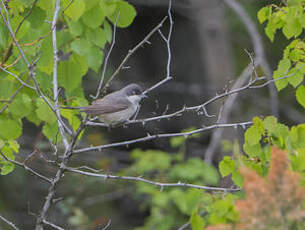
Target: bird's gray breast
{"x": 120, "y": 116}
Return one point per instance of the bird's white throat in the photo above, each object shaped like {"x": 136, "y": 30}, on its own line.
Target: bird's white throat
{"x": 134, "y": 99}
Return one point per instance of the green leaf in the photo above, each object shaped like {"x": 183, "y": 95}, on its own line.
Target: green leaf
{"x": 280, "y": 84}
{"x": 21, "y": 106}
{"x": 186, "y": 201}
{"x": 14, "y": 145}
{"x": 226, "y": 166}
{"x": 45, "y": 63}
{"x": 37, "y": 17}
{"x": 6, "y": 167}
{"x": 108, "y": 31}
{"x": 222, "y": 211}
{"x": 297, "y": 135}
{"x": 44, "y": 80}
{"x": 237, "y": 178}
{"x": 151, "y": 160}
{"x": 94, "y": 17}
{"x": 81, "y": 46}
{"x": 76, "y": 9}
{"x": 195, "y": 170}
{"x": 254, "y": 134}
{"x": 47, "y": 5}
{"x": 282, "y": 71}
{"x": 296, "y": 76}
{"x": 51, "y": 132}
{"x": 72, "y": 118}
{"x": 264, "y": 13}
{"x": 197, "y": 221}
{"x": 127, "y": 14}
{"x": 300, "y": 95}
{"x": 97, "y": 37}
{"x": 44, "y": 112}
{"x": 71, "y": 72}
{"x": 6, "y": 86}
{"x": 298, "y": 160}
{"x": 284, "y": 66}
{"x": 293, "y": 27}
{"x": 92, "y": 3}
{"x": 177, "y": 141}
{"x": 270, "y": 123}
{"x": 94, "y": 58}
{"x": 294, "y": 2}
{"x": 10, "y": 129}
{"x": 4, "y": 35}
{"x": 76, "y": 28}
{"x": 270, "y": 30}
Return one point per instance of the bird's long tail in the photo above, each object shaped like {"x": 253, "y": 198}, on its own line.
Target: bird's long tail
{"x": 84, "y": 109}
{"x": 67, "y": 107}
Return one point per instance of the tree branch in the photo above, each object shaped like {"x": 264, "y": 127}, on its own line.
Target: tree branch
{"x": 132, "y": 51}
{"x": 164, "y": 135}
{"x": 258, "y": 50}
{"x": 159, "y": 184}
{"x": 55, "y": 83}
{"x": 8, "y": 222}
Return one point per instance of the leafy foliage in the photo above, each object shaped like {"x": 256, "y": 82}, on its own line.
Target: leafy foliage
{"x": 273, "y": 202}
{"x": 291, "y": 20}
{"x": 83, "y": 30}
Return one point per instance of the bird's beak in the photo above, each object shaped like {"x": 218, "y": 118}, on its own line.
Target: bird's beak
{"x": 144, "y": 96}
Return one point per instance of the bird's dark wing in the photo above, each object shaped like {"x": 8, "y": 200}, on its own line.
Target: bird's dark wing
{"x": 106, "y": 105}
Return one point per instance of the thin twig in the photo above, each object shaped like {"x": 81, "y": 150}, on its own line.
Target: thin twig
{"x": 164, "y": 135}
{"x": 250, "y": 85}
{"x": 30, "y": 66}
{"x": 59, "y": 174}
{"x": 98, "y": 92}
{"x": 52, "y": 225}
{"x": 9, "y": 222}
{"x": 31, "y": 171}
{"x": 55, "y": 83}
{"x": 169, "y": 56}
{"x": 132, "y": 51}
{"x": 19, "y": 79}
{"x": 227, "y": 108}
{"x": 107, "y": 225}
{"x": 258, "y": 50}
{"x": 159, "y": 184}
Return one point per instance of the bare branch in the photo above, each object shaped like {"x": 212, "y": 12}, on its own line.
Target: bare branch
{"x": 132, "y": 51}
{"x": 227, "y": 108}
{"x": 165, "y": 135}
{"x": 258, "y": 50}
{"x": 31, "y": 171}
{"x": 19, "y": 79}
{"x": 186, "y": 225}
{"x": 30, "y": 66}
{"x": 159, "y": 184}
{"x": 250, "y": 85}
{"x": 8, "y": 25}
{"x": 59, "y": 174}
{"x": 167, "y": 40}
{"x": 9, "y": 222}
{"x": 55, "y": 83}
{"x": 98, "y": 92}
{"x": 107, "y": 225}
{"x": 52, "y": 225}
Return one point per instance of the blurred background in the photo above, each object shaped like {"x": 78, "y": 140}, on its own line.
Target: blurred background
{"x": 208, "y": 54}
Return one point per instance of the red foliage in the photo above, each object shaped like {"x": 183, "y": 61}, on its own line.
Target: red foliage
{"x": 274, "y": 202}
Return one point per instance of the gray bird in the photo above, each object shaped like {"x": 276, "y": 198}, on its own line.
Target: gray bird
{"x": 117, "y": 107}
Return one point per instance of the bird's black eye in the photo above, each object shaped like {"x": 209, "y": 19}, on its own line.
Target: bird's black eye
{"x": 136, "y": 92}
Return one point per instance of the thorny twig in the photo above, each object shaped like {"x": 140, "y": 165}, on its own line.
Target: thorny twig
{"x": 159, "y": 184}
